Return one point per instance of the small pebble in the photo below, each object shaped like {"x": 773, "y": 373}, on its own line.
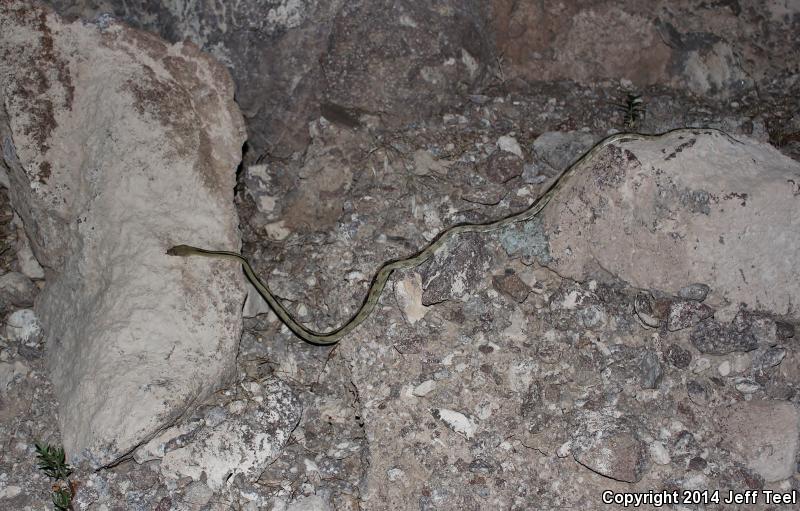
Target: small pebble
{"x": 700, "y": 365}
{"x": 659, "y": 454}
{"x": 746, "y": 386}
{"x": 696, "y": 292}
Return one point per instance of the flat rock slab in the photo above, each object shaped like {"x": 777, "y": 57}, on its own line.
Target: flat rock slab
{"x": 769, "y": 447}
{"x": 117, "y": 147}
{"x": 691, "y": 206}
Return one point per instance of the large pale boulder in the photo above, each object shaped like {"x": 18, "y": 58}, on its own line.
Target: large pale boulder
{"x": 692, "y": 206}
{"x": 117, "y": 146}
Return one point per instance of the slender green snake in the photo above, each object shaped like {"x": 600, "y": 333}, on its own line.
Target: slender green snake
{"x": 380, "y": 278}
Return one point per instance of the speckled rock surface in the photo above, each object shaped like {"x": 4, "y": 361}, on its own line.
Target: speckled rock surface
{"x": 707, "y": 48}
{"x": 698, "y": 206}
{"x": 243, "y": 439}
{"x": 514, "y": 388}
{"x": 117, "y": 146}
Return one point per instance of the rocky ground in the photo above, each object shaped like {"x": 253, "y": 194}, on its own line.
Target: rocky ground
{"x": 607, "y": 388}
{"x": 595, "y": 356}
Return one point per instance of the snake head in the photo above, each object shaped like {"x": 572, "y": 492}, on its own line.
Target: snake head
{"x": 181, "y": 250}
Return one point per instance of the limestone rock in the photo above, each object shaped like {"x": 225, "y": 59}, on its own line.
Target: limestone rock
{"x": 690, "y": 206}
{"x": 610, "y": 447}
{"x": 119, "y": 145}
{"x": 768, "y": 447}
{"x": 241, "y": 440}
{"x": 451, "y": 274}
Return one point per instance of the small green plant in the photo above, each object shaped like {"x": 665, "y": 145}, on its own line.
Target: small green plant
{"x": 53, "y": 462}
{"x": 633, "y": 111}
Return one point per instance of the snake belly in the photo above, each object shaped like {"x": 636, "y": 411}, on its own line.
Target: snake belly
{"x": 385, "y": 271}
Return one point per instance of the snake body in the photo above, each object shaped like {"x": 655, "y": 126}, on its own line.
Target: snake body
{"x": 385, "y": 271}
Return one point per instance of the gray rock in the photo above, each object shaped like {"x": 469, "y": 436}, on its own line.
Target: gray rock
{"x": 11, "y": 373}
{"x": 197, "y": 494}
{"x": 309, "y": 503}
{"x": 16, "y": 290}
{"x": 772, "y": 357}
{"x": 527, "y": 240}
{"x": 769, "y": 447}
{"x": 611, "y": 448}
{"x": 762, "y": 326}
{"x": 512, "y": 286}
{"x": 651, "y": 371}
{"x": 746, "y": 385}
{"x": 592, "y": 316}
{"x": 295, "y": 60}
{"x": 643, "y": 305}
{"x": 638, "y": 366}
{"x": 244, "y": 440}
{"x": 784, "y": 330}
{"x": 686, "y": 313}
{"x": 696, "y": 292}
{"x": 713, "y": 338}
{"x": 142, "y": 156}
{"x": 698, "y": 392}
{"x": 554, "y": 151}
{"x": 23, "y": 326}
{"x": 678, "y": 356}
{"x": 668, "y": 232}
{"x": 453, "y": 274}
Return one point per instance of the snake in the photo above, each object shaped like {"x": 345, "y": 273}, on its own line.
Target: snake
{"x": 386, "y": 269}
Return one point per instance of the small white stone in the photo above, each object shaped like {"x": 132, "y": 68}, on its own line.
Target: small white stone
{"x": 395, "y": 473}
{"x": 724, "y": 368}
{"x": 746, "y": 386}
{"x": 277, "y": 231}
{"x": 659, "y": 454}
{"x": 510, "y": 145}
{"x": 23, "y": 326}
{"x": 311, "y": 466}
{"x": 565, "y": 449}
{"x": 408, "y": 293}
{"x": 237, "y": 407}
{"x": 700, "y": 365}
{"x": 458, "y": 422}
{"x": 741, "y": 363}
{"x": 424, "y": 388}
{"x": 9, "y": 492}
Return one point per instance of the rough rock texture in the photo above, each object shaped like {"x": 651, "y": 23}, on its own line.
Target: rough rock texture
{"x": 708, "y": 47}
{"x": 476, "y": 401}
{"x": 296, "y": 59}
{"x": 241, "y": 438}
{"x": 697, "y": 206}
{"x": 610, "y": 447}
{"x": 404, "y": 60}
{"x": 768, "y": 447}
{"x": 117, "y": 146}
